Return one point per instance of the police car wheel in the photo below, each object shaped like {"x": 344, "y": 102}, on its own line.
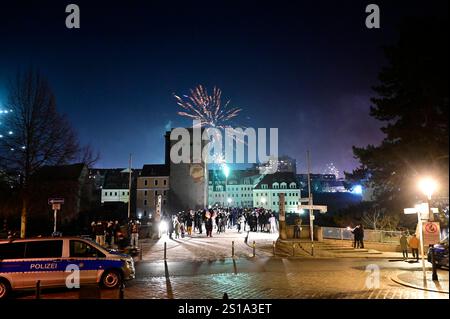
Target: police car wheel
{"x": 111, "y": 279}
{"x": 4, "y": 289}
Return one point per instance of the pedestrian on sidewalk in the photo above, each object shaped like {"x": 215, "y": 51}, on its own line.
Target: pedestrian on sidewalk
{"x": 355, "y": 233}
{"x": 134, "y": 234}
{"x": 189, "y": 224}
{"x": 208, "y": 226}
{"x": 177, "y": 225}
{"x": 297, "y": 225}
{"x": 273, "y": 224}
{"x": 414, "y": 244}
{"x": 404, "y": 245}
{"x": 361, "y": 236}
{"x": 100, "y": 233}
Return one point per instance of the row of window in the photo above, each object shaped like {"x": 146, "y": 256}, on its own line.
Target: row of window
{"x": 163, "y": 202}
{"x": 156, "y": 193}
{"x": 278, "y": 194}
{"x": 155, "y": 182}
{"x": 278, "y": 203}
{"x": 115, "y": 193}
{"x": 278, "y": 186}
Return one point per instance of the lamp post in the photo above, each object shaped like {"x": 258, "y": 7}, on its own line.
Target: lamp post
{"x": 428, "y": 186}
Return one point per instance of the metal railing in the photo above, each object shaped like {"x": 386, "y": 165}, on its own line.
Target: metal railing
{"x": 380, "y": 236}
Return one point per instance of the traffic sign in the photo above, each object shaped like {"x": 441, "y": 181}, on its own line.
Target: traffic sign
{"x": 55, "y": 201}
{"x": 322, "y": 208}
{"x": 431, "y": 233}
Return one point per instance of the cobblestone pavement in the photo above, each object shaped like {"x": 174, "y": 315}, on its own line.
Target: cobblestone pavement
{"x": 263, "y": 278}
{"x": 200, "y": 267}
{"x": 200, "y": 247}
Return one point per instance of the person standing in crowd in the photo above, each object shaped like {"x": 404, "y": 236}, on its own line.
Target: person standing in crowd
{"x": 297, "y": 226}
{"x": 116, "y": 232}
{"x": 208, "y": 225}
{"x": 100, "y": 233}
{"x": 189, "y": 224}
{"x": 273, "y": 224}
{"x": 170, "y": 226}
{"x": 176, "y": 225}
{"x": 109, "y": 233}
{"x": 134, "y": 234}
{"x": 414, "y": 244}
{"x": 404, "y": 245}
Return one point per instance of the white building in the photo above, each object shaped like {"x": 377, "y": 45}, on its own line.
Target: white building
{"x": 115, "y": 186}
{"x": 266, "y": 192}
{"x": 235, "y": 191}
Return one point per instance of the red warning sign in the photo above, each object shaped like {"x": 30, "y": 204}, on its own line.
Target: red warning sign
{"x": 431, "y": 233}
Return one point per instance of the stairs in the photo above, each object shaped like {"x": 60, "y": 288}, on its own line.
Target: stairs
{"x": 302, "y": 248}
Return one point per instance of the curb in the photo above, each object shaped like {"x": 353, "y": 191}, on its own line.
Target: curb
{"x": 395, "y": 279}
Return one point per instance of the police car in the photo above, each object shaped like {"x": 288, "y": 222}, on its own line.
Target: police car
{"x": 51, "y": 260}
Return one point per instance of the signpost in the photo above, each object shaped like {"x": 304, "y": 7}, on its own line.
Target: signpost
{"x": 56, "y": 205}
{"x": 422, "y": 211}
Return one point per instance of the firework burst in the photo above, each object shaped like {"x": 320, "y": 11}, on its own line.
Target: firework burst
{"x": 207, "y": 109}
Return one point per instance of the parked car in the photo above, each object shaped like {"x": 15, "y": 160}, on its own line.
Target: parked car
{"x": 441, "y": 253}
{"x": 25, "y": 261}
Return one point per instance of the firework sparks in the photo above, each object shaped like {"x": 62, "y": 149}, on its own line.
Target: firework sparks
{"x": 207, "y": 109}
{"x": 331, "y": 169}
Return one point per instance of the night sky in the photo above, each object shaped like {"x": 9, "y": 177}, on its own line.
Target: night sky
{"x": 306, "y": 68}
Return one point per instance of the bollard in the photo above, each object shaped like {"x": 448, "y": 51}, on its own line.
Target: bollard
{"x": 434, "y": 276}
{"x": 165, "y": 250}
{"x": 254, "y": 247}
{"x": 140, "y": 251}
{"x": 232, "y": 249}
{"x": 293, "y": 250}
{"x": 38, "y": 289}
{"x": 122, "y": 291}
{"x": 273, "y": 247}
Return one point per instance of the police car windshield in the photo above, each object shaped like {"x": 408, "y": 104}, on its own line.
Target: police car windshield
{"x": 94, "y": 243}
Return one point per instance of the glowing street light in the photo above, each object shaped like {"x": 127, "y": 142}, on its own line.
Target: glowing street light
{"x": 427, "y": 186}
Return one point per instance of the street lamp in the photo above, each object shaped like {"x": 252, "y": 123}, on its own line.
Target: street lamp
{"x": 428, "y": 186}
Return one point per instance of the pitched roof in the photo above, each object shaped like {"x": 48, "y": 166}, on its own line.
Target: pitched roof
{"x": 149, "y": 170}
{"x": 116, "y": 179}
{"x": 278, "y": 177}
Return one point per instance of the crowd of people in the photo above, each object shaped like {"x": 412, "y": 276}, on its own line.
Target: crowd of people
{"x": 111, "y": 234}
{"x": 220, "y": 220}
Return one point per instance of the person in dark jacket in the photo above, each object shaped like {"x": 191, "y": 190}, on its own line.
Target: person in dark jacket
{"x": 361, "y": 236}
{"x": 208, "y": 226}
